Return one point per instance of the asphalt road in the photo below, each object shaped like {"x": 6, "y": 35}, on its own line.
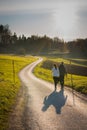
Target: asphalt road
{"x": 39, "y": 107}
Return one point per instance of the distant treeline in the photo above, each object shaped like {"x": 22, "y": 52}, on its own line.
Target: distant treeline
{"x": 11, "y": 43}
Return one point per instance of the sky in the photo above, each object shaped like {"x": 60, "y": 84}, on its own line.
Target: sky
{"x": 66, "y": 19}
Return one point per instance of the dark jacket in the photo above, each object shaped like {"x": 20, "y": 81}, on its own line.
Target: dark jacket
{"x": 62, "y": 70}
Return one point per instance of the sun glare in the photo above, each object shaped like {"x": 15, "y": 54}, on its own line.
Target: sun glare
{"x": 64, "y": 19}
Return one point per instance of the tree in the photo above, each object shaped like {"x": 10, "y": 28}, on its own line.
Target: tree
{"x": 5, "y": 34}
{"x": 14, "y": 38}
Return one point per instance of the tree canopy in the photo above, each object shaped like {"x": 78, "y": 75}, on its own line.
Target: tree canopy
{"x": 38, "y": 44}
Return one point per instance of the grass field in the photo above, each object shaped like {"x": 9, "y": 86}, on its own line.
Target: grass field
{"x": 44, "y": 71}
{"x": 10, "y": 84}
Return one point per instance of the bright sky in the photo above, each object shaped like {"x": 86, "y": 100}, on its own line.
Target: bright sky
{"x": 65, "y": 19}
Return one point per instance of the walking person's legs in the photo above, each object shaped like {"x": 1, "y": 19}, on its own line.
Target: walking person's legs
{"x": 62, "y": 81}
{"x": 55, "y": 82}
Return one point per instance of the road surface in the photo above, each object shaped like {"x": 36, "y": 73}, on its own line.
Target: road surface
{"x": 39, "y": 107}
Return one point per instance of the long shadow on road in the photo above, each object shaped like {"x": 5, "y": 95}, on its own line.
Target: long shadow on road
{"x": 57, "y": 99}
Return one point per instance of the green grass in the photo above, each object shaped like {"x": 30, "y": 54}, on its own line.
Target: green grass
{"x": 79, "y": 82}
{"x": 9, "y": 89}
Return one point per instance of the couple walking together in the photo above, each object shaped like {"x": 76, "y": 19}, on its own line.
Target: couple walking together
{"x": 58, "y": 75}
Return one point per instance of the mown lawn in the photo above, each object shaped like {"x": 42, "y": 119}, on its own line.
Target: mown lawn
{"x": 79, "y": 83}
{"x": 10, "y": 83}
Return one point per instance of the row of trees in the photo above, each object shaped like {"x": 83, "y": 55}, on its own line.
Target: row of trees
{"x": 78, "y": 47}
{"x": 33, "y": 42}
{"x": 5, "y": 34}
{"x": 39, "y": 44}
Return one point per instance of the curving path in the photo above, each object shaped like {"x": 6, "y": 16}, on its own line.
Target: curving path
{"x": 41, "y": 108}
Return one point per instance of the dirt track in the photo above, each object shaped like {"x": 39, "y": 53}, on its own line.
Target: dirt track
{"x": 39, "y": 107}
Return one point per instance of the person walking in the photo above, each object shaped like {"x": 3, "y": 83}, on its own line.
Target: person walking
{"x": 63, "y": 72}
{"x": 55, "y": 74}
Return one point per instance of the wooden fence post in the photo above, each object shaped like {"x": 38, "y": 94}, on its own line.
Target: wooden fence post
{"x": 72, "y": 86}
